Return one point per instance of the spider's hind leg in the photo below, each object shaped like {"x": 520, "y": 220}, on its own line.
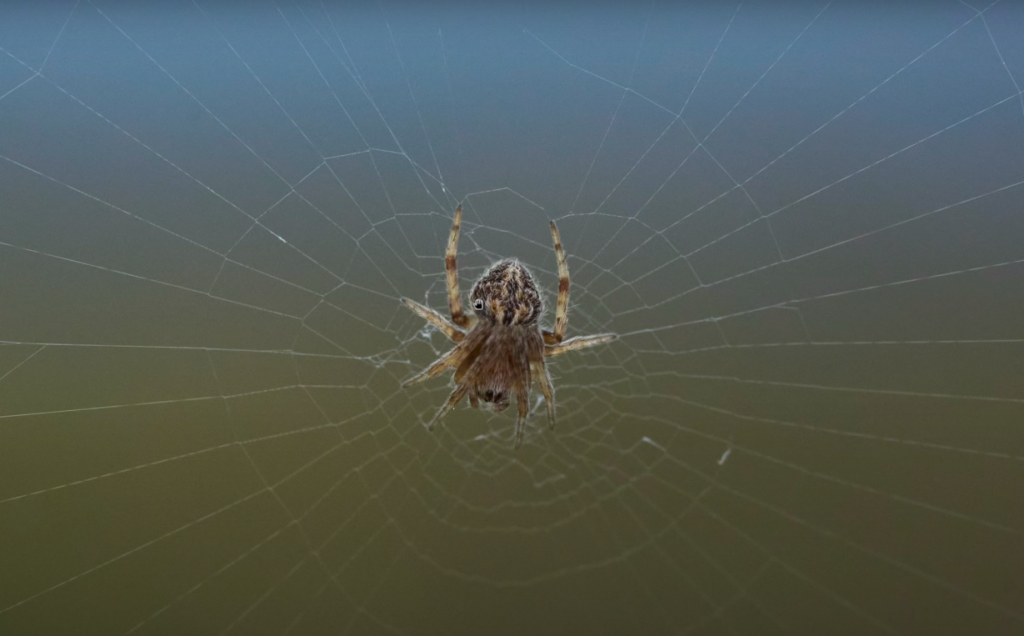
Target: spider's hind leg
{"x": 436, "y": 319}
{"x": 562, "y": 306}
{"x": 451, "y": 269}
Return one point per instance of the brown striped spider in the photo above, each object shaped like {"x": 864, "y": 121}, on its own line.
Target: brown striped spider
{"x": 504, "y": 348}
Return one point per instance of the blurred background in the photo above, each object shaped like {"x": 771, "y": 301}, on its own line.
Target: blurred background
{"x": 804, "y": 220}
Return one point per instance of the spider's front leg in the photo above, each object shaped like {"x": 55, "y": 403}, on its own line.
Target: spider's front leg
{"x": 453, "y": 399}
{"x": 451, "y": 359}
{"x": 579, "y": 342}
{"x": 523, "y": 400}
{"x": 540, "y": 374}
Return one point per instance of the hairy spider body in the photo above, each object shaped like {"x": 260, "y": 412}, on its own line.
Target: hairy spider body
{"x": 504, "y": 351}
{"x": 509, "y": 294}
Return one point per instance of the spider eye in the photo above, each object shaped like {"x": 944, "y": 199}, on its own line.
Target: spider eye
{"x": 478, "y": 304}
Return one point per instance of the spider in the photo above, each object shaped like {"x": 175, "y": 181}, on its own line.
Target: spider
{"x": 504, "y": 348}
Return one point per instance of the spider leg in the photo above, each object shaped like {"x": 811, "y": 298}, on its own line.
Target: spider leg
{"x": 453, "y": 399}
{"x": 540, "y": 373}
{"x": 448, "y": 360}
{"x": 473, "y": 349}
{"x": 562, "y": 308}
{"x": 435, "y": 319}
{"x": 523, "y": 399}
{"x": 452, "y": 270}
{"x": 579, "y": 342}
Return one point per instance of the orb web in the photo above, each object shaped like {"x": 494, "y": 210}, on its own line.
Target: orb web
{"x": 803, "y": 222}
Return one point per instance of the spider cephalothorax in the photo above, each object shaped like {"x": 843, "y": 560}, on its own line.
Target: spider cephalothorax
{"x": 504, "y": 350}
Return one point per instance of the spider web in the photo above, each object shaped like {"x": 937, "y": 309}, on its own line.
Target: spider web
{"x": 804, "y": 222}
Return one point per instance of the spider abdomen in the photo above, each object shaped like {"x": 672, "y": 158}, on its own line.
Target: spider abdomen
{"x": 508, "y": 294}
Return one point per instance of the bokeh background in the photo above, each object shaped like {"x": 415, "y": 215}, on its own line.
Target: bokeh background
{"x": 803, "y": 219}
